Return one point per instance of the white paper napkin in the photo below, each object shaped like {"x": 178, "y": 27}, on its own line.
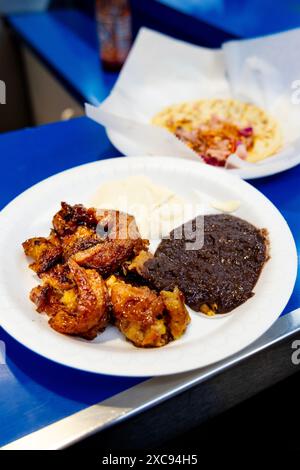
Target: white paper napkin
{"x": 161, "y": 71}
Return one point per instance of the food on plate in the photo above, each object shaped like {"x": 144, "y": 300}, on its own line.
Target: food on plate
{"x": 218, "y": 277}
{"x": 154, "y": 206}
{"x": 69, "y": 218}
{"x": 101, "y": 240}
{"x": 119, "y": 241}
{"x": 130, "y": 191}
{"x": 74, "y": 298}
{"x": 84, "y": 247}
{"x": 97, "y": 239}
{"x": 218, "y": 128}
{"x": 145, "y": 317}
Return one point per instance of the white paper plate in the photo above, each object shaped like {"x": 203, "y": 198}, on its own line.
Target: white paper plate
{"x": 206, "y": 340}
{"x": 129, "y": 147}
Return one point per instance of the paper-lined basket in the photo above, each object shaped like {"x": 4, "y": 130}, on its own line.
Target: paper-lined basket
{"x": 161, "y": 71}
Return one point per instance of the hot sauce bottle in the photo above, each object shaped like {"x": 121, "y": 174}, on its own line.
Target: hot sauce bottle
{"x": 114, "y": 31}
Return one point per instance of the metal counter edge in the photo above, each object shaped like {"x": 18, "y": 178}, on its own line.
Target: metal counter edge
{"x": 143, "y": 396}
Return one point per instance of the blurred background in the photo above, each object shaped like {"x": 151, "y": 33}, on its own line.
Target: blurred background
{"x": 57, "y": 54}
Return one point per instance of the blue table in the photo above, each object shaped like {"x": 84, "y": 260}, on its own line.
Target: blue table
{"x": 44, "y": 392}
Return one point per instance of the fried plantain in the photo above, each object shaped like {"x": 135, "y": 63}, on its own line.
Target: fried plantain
{"x": 146, "y": 318}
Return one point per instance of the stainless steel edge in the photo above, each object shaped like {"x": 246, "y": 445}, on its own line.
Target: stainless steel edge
{"x": 80, "y": 425}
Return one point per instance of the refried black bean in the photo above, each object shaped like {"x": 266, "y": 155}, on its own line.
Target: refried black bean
{"x": 222, "y": 273}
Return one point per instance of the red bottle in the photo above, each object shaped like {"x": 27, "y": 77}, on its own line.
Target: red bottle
{"x": 114, "y": 31}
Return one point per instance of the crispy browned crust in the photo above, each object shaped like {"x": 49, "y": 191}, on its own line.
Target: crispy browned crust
{"x": 69, "y": 218}
{"x": 77, "y": 307}
{"x": 58, "y": 277}
{"x": 102, "y": 241}
{"x": 82, "y": 246}
{"x": 120, "y": 241}
{"x": 136, "y": 265}
{"x": 178, "y": 316}
{"x": 107, "y": 257}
